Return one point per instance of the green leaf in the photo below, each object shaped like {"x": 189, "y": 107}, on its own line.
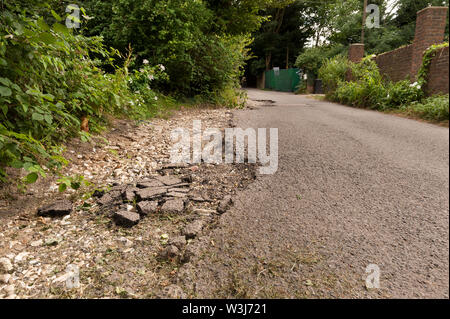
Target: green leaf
{"x": 33, "y": 92}
{"x": 41, "y": 23}
{"x": 22, "y": 102}
{"x": 30, "y": 167}
{"x": 62, "y": 187}
{"x": 74, "y": 19}
{"x": 4, "y": 91}
{"x": 4, "y": 109}
{"x": 56, "y": 16}
{"x": 75, "y": 185}
{"x": 19, "y": 28}
{"x": 5, "y": 81}
{"x": 48, "y": 97}
{"x": 47, "y": 38}
{"x": 31, "y": 178}
{"x": 15, "y": 87}
{"x": 37, "y": 117}
{"x": 61, "y": 29}
{"x": 48, "y": 118}
{"x": 17, "y": 164}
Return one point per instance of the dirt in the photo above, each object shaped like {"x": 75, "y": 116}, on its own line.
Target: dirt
{"x": 113, "y": 262}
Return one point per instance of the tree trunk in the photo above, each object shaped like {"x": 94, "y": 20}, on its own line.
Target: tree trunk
{"x": 268, "y": 60}
{"x": 287, "y": 58}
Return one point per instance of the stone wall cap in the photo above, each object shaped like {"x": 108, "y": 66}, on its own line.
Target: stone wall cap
{"x": 431, "y": 8}
{"x": 403, "y": 47}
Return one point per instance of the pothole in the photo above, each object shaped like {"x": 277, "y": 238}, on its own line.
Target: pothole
{"x": 266, "y": 103}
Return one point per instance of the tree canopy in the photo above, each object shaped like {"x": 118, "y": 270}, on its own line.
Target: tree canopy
{"x": 339, "y": 23}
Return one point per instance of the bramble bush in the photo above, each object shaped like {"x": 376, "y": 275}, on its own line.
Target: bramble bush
{"x": 50, "y": 78}
{"x": 53, "y": 78}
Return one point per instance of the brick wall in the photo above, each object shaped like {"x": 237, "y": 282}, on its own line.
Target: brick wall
{"x": 396, "y": 65}
{"x": 430, "y": 29}
{"x": 438, "y": 73}
{"x": 356, "y": 52}
{"x": 405, "y": 62}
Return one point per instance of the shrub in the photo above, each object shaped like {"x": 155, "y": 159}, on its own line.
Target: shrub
{"x": 367, "y": 88}
{"x": 48, "y": 82}
{"x": 332, "y": 72}
{"x": 178, "y": 34}
{"x": 402, "y": 93}
{"x": 434, "y": 108}
{"x": 219, "y": 67}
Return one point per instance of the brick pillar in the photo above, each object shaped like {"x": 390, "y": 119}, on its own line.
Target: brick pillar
{"x": 430, "y": 29}
{"x": 356, "y": 52}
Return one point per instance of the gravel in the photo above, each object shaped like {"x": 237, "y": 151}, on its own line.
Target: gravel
{"x": 192, "y": 229}
{"x": 113, "y": 261}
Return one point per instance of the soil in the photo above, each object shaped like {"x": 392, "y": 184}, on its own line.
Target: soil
{"x": 113, "y": 262}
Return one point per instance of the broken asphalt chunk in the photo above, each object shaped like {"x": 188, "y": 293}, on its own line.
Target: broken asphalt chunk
{"x": 57, "y": 209}
{"x": 192, "y": 229}
{"x": 150, "y": 193}
{"x": 147, "y": 207}
{"x": 173, "y": 206}
{"x": 169, "y": 180}
{"x": 126, "y": 219}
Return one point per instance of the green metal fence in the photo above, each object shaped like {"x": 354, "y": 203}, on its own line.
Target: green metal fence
{"x": 282, "y": 80}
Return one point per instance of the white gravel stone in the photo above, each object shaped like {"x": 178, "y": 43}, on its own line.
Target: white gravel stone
{"x": 4, "y": 279}
{"x": 6, "y": 266}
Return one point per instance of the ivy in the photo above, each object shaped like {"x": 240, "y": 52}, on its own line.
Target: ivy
{"x": 428, "y": 57}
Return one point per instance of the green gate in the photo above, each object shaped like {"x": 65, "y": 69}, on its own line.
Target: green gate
{"x": 286, "y": 80}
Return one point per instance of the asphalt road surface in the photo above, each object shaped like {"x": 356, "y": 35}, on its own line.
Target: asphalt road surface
{"x": 354, "y": 187}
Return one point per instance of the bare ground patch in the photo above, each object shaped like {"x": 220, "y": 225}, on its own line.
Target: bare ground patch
{"x": 113, "y": 262}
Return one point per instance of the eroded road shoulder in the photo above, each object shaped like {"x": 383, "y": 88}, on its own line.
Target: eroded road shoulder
{"x": 126, "y": 235}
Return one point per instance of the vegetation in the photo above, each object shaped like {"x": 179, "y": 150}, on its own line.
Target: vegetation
{"x": 201, "y": 43}
{"x": 428, "y": 56}
{"x": 434, "y": 108}
{"x": 56, "y": 82}
{"x": 333, "y": 72}
{"x": 368, "y": 89}
{"x": 338, "y": 25}
{"x": 312, "y": 59}
{"x": 49, "y": 83}
{"x": 280, "y": 38}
